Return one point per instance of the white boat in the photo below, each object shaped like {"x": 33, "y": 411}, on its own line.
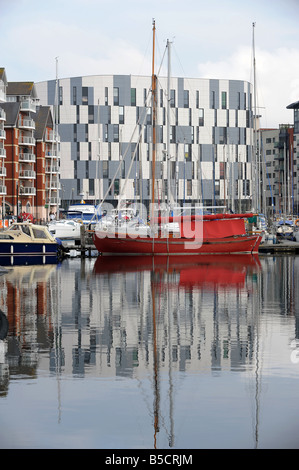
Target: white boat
{"x": 65, "y": 229}
{"x": 87, "y": 213}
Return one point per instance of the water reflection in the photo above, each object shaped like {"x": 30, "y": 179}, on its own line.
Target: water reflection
{"x": 154, "y": 332}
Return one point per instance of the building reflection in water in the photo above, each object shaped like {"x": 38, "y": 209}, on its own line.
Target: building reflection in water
{"x": 143, "y": 318}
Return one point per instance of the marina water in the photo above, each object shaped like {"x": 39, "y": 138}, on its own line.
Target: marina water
{"x": 126, "y": 355}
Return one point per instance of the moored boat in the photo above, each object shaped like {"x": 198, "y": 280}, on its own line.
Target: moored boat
{"x": 28, "y": 240}
{"x": 208, "y": 234}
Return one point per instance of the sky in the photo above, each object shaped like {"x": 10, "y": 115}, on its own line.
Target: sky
{"x": 210, "y": 39}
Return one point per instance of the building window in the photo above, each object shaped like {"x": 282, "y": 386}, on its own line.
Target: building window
{"x": 115, "y": 133}
{"x": 189, "y": 187}
{"x": 106, "y": 133}
{"x": 91, "y": 114}
{"x": 201, "y": 117}
{"x": 161, "y": 98}
{"x": 186, "y": 98}
{"x": 84, "y": 95}
{"x": 172, "y": 98}
{"x": 116, "y": 96}
{"x": 133, "y": 96}
{"x": 60, "y": 95}
{"x": 172, "y": 134}
{"x": 116, "y": 187}
{"x": 74, "y": 95}
{"x": 105, "y": 169}
{"x": 224, "y": 100}
{"x": 197, "y": 98}
{"x": 106, "y": 96}
{"x": 213, "y": 99}
{"x": 121, "y": 115}
{"x": 187, "y": 152}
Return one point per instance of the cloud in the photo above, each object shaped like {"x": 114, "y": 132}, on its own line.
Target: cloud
{"x": 277, "y": 79}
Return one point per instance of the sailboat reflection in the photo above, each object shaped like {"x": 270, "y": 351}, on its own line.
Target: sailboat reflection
{"x": 207, "y": 271}
{"x": 168, "y": 275}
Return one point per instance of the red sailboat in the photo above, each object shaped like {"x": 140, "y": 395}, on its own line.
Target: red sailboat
{"x": 195, "y": 234}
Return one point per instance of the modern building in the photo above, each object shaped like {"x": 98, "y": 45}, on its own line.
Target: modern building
{"x": 278, "y": 171}
{"x": 105, "y": 127}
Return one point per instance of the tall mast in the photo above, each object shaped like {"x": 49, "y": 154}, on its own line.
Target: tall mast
{"x": 154, "y": 101}
{"x": 255, "y": 176}
{"x": 168, "y": 122}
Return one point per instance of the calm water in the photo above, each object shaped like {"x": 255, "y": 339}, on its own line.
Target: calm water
{"x": 127, "y": 355}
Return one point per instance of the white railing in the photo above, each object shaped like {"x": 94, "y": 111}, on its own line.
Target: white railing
{"x": 3, "y": 190}
{"x": 28, "y": 105}
{"x": 27, "y": 157}
{"x": 23, "y": 140}
{"x": 54, "y": 200}
{"x": 2, "y": 171}
{"x": 53, "y": 185}
{"x": 27, "y": 123}
{"x": 52, "y": 136}
{"x": 27, "y": 174}
{"x": 2, "y": 114}
{"x": 2, "y": 96}
{"x": 2, "y": 134}
{"x": 27, "y": 191}
{"x": 52, "y": 169}
{"x": 2, "y": 152}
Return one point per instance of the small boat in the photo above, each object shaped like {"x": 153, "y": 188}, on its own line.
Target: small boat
{"x": 285, "y": 229}
{"x": 28, "y": 240}
{"x": 87, "y": 213}
{"x": 65, "y": 229}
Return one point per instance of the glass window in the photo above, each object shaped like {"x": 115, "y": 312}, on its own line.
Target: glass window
{"x": 121, "y": 114}
{"x": 84, "y": 95}
{"x": 116, "y": 96}
{"x": 115, "y": 133}
{"x": 186, "y": 98}
{"x": 224, "y": 100}
{"x": 201, "y": 117}
{"x": 133, "y": 96}
{"x": 106, "y": 96}
{"x": 37, "y": 233}
{"x": 172, "y": 98}
{"x": 74, "y": 95}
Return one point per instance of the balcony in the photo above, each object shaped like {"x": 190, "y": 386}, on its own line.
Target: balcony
{"x": 24, "y": 140}
{"x": 3, "y": 190}
{"x": 54, "y": 200}
{"x": 2, "y": 134}
{"x": 55, "y": 185}
{"x": 2, "y": 152}
{"x": 2, "y": 115}
{"x": 2, "y": 171}
{"x": 27, "y": 174}
{"x": 52, "y": 169}
{"x": 52, "y": 136}
{"x": 27, "y": 191}
{"x": 52, "y": 154}
{"x": 27, "y": 157}
{"x": 2, "y": 93}
{"x": 26, "y": 123}
{"x": 28, "y": 105}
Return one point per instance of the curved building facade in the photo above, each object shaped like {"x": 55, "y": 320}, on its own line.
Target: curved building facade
{"x": 105, "y": 128}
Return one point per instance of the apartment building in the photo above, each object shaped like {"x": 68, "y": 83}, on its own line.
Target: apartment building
{"x": 3, "y": 86}
{"x": 105, "y": 126}
{"x": 30, "y": 153}
{"x": 279, "y": 170}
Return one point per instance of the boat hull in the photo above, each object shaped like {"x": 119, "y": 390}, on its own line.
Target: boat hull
{"x": 28, "y": 249}
{"x": 174, "y": 246}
